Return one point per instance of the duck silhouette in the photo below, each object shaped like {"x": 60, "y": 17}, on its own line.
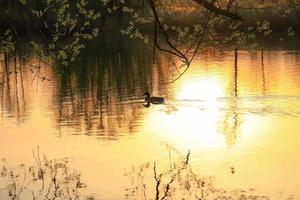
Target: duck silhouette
{"x": 153, "y": 100}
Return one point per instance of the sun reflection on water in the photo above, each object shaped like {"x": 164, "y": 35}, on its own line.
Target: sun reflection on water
{"x": 194, "y": 123}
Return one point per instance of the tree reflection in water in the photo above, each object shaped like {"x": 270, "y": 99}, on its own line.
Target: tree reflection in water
{"x": 179, "y": 182}
{"x": 99, "y": 96}
{"x": 47, "y": 179}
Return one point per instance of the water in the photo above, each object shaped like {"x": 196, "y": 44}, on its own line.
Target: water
{"x": 240, "y": 124}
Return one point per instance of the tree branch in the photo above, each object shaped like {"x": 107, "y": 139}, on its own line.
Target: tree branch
{"x": 212, "y": 11}
{"x": 218, "y": 11}
{"x": 158, "y": 22}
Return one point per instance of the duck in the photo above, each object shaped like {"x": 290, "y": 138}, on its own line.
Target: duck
{"x": 153, "y": 100}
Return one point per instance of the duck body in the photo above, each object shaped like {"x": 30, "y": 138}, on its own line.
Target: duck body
{"x": 153, "y": 100}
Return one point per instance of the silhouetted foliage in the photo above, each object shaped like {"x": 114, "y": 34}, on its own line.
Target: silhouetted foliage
{"x": 47, "y": 179}
{"x": 179, "y": 182}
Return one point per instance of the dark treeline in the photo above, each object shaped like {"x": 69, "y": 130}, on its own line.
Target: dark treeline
{"x": 61, "y": 29}
{"x": 18, "y": 13}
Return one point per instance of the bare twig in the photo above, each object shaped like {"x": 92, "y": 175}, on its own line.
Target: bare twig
{"x": 188, "y": 64}
{"x": 158, "y": 180}
{"x": 158, "y": 22}
{"x": 229, "y": 5}
{"x": 187, "y": 157}
{"x": 219, "y": 11}
{"x": 212, "y": 9}
{"x": 167, "y": 188}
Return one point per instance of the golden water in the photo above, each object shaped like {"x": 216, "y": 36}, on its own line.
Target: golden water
{"x": 245, "y": 118}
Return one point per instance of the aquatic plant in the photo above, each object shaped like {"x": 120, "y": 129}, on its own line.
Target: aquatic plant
{"x": 47, "y": 179}
{"x": 179, "y": 181}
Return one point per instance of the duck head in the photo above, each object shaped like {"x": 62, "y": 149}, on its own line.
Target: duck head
{"x": 146, "y": 95}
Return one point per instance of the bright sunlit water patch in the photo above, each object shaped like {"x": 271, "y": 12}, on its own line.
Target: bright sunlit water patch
{"x": 199, "y": 131}
{"x": 202, "y": 89}
{"x": 194, "y": 121}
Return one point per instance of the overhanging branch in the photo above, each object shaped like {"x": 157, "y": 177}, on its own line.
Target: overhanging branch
{"x": 212, "y": 11}
{"x": 159, "y": 24}
{"x": 218, "y": 11}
